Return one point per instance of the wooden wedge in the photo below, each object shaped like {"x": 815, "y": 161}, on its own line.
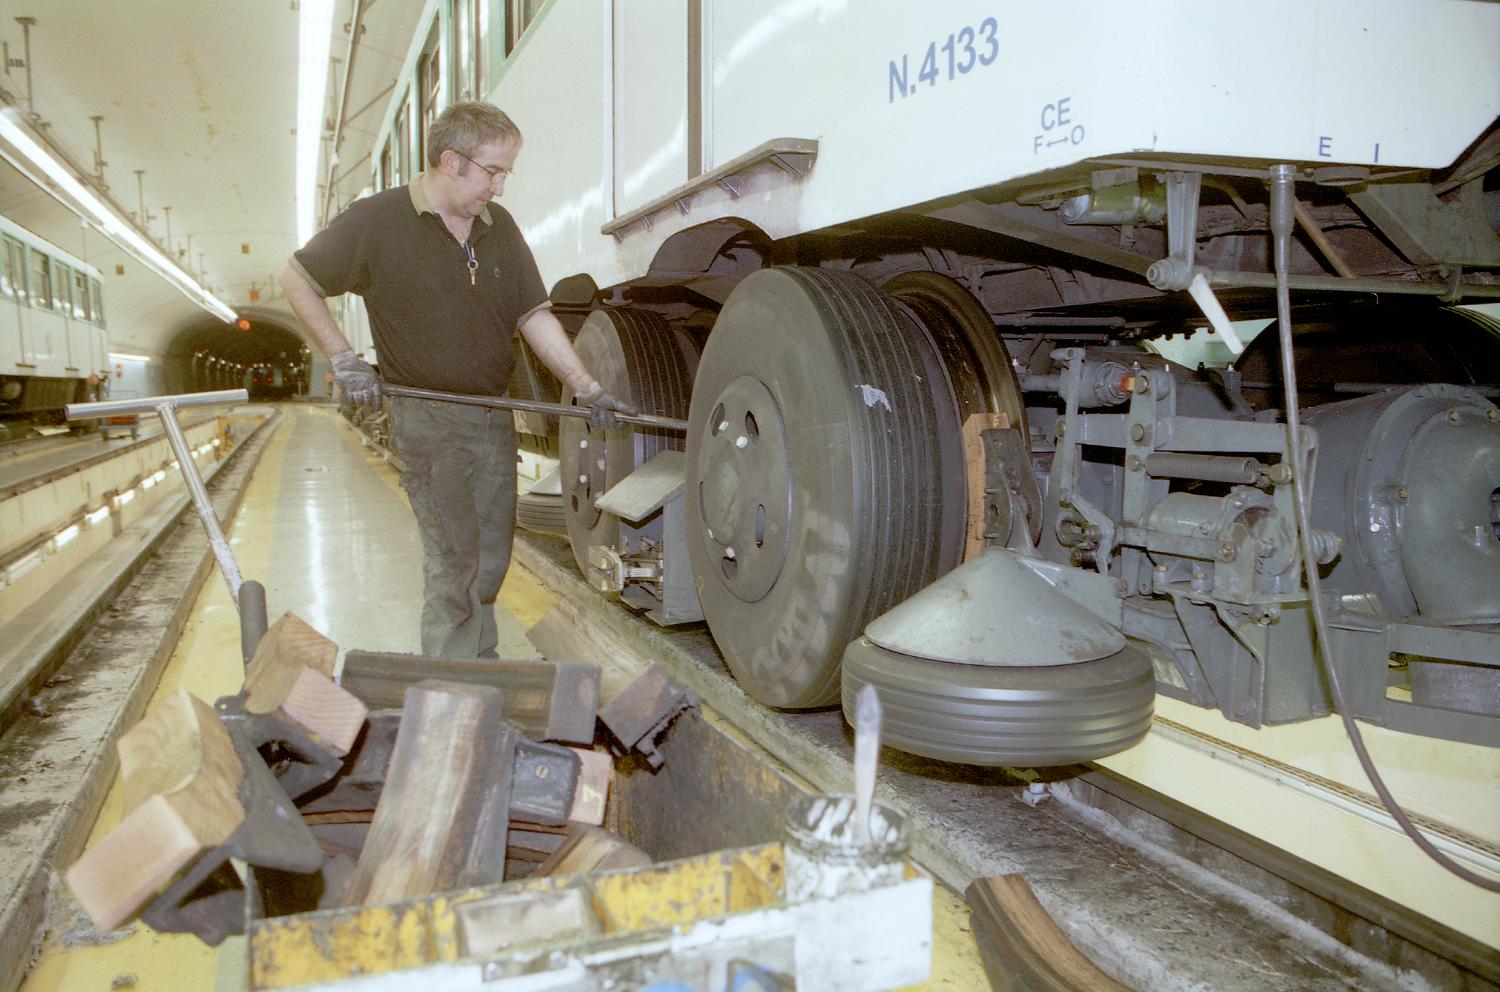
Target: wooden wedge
{"x": 179, "y": 773}
{"x": 443, "y": 814}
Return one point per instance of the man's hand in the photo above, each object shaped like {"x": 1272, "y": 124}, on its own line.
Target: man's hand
{"x": 603, "y": 406}
{"x": 356, "y": 379}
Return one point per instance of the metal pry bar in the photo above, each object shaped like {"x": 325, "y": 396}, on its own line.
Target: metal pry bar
{"x": 166, "y": 407}
{"x": 530, "y": 406}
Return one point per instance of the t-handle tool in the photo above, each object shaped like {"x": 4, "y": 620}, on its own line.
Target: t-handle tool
{"x": 529, "y": 406}
{"x": 249, "y": 597}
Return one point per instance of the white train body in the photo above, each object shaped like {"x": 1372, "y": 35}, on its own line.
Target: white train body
{"x": 1045, "y": 87}
{"x": 53, "y": 336}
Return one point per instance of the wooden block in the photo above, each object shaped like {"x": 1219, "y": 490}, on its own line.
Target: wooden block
{"x": 591, "y": 848}
{"x": 1022, "y": 947}
{"x": 179, "y": 773}
{"x": 113, "y": 880}
{"x": 182, "y": 752}
{"x": 596, "y": 770}
{"x": 547, "y": 700}
{"x": 443, "y": 814}
{"x": 323, "y": 707}
{"x": 974, "y": 460}
{"x": 284, "y": 650}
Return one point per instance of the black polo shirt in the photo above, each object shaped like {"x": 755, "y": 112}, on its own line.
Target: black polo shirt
{"x": 432, "y": 328}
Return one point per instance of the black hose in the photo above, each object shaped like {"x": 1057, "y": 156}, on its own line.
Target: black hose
{"x": 1283, "y": 202}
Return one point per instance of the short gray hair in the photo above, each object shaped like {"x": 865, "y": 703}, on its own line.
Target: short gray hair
{"x": 463, "y": 127}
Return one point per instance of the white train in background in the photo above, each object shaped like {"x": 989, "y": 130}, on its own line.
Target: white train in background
{"x": 54, "y": 342}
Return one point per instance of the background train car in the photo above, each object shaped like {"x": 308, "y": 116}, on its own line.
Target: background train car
{"x": 54, "y": 342}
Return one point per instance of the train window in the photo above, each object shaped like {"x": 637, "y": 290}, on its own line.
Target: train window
{"x": 403, "y": 143}
{"x": 465, "y": 51}
{"x": 429, "y": 89}
{"x": 62, "y": 288}
{"x": 522, "y": 13}
{"x": 81, "y": 308}
{"x": 385, "y": 166}
{"x": 96, "y": 296}
{"x": 13, "y": 278}
{"x": 41, "y": 281}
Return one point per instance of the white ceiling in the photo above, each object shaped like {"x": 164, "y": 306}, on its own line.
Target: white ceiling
{"x": 202, "y": 96}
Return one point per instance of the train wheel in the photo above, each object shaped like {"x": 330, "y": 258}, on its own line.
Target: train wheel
{"x": 824, "y": 475}
{"x": 637, "y": 356}
{"x": 1018, "y": 716}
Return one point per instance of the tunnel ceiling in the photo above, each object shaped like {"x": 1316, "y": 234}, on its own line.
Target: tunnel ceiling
{"x": 197, "y": 109}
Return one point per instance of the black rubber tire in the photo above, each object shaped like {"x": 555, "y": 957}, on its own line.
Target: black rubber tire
{"x": 636, "y": 356}
{"x": 873, "y": 507}
{"x": 542, "y": 513}
{"x": 1016, "y": 717}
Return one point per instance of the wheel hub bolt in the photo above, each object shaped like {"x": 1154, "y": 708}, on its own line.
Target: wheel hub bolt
{"x": 742, "y": 441}
{"x": 584, "y": 443}
{"x": 583, "y": 480}
{"x": 728, "y": 552}
{"x": 723, "y": 426}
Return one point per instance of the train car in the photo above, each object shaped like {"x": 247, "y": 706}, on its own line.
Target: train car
{"x": 54, "y": 342}
{"x": 895, "y": 265}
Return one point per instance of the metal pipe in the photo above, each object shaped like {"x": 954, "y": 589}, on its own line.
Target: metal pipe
{"x": 529, "y": 406}
{"x": 1210, "y": 468}
{"x": 26, "y": 23}
{"x": 199, "y": 493}
{"x": 166, "y": 408}
{"x": 1316, "y": 235}
{"x": 355, "y": 21}
{"x": 110, "y": 408}
{"x": 1362, "y": 284}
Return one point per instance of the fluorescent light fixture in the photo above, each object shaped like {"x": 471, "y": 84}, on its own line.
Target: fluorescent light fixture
{"x": 148, "y": 482}
{"x": 20, "y": 566}
{"x": 125, "y": 356}
{"x": 97, "y": 517}
{"x": 121, "y": 498}
{"x": 110, "y": 224}
{"x": 159, "y": 475}
{"x": 314, "y": 40}
{"x": 62, "y": 537}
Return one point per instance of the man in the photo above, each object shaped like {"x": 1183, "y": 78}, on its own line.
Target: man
{"x": 446, "y": 278}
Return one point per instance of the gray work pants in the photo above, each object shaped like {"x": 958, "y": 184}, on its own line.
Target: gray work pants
{"x": 461, "y": 478}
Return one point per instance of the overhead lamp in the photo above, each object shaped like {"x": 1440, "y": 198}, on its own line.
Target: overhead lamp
{"x": 314, "y": 42}
{"x": 110, "y": 224}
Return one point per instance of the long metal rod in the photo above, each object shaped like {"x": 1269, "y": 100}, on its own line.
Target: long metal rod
{"x": 111, "y": 408}
{"x": 355, "y": 22}
{"x": 166, "y": 408}
{"x": 530, "y": 406}
{"x": 216, "y": 539}
{"x": 1364, "y": 284}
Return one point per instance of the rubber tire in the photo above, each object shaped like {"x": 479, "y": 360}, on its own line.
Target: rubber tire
{"x": 875, "y": 510}
{"x": 1015, "y": 717}
{"x": 542, "y": 513}
{"x": 638, "y": 358}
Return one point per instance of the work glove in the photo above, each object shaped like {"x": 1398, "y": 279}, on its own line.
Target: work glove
{"x": 603, "y": 406}
{"x": 356, "y": 379}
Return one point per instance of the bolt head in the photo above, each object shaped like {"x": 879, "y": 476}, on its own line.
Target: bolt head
{"x": 742, "y": 442}
{"x": 1227, "y": 552}
{"x": 583, "y": 479}
{"x": 1137, "y": 432}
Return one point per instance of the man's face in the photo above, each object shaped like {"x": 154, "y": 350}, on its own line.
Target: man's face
{"x": 480, "y": 177}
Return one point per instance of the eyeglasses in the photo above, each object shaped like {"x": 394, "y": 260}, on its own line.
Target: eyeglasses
{"x": 496, "y": 175}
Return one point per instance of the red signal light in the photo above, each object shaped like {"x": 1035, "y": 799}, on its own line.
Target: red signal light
{"x": 243, "y": 324}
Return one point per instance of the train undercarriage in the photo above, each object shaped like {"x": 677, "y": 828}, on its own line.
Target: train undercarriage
{"x": 932, "y": 452}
